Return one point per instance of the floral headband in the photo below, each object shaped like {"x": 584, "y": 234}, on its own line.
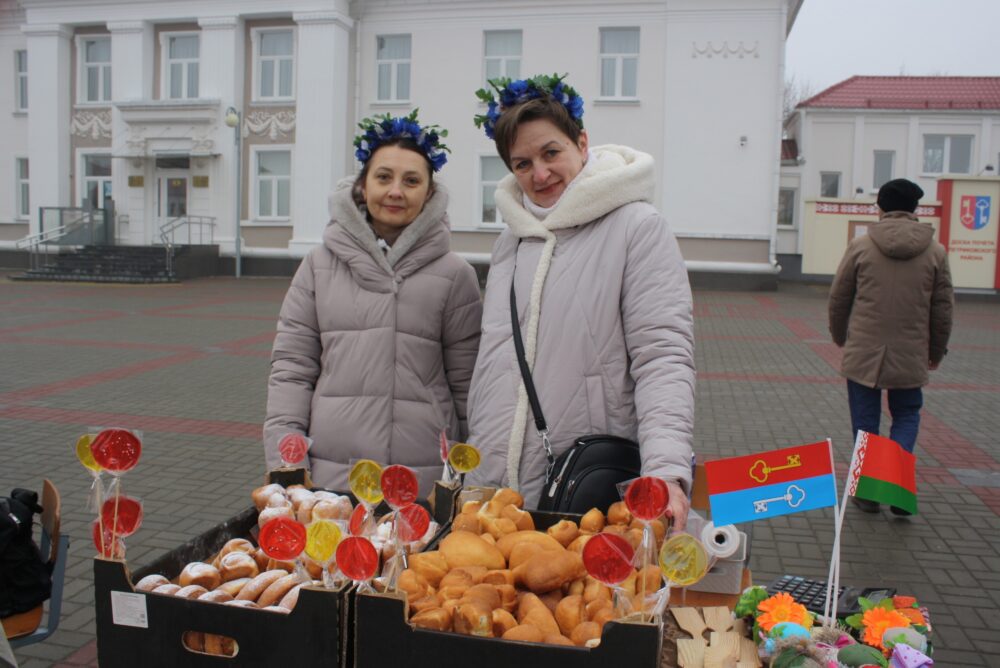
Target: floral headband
{"x": 378, "y": 130}
{"x": 515, "y": 92}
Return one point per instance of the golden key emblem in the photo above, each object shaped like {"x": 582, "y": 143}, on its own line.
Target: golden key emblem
{"x": 760, "y": 470}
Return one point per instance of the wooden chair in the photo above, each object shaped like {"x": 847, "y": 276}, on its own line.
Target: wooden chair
{"x": 26, "y": 628}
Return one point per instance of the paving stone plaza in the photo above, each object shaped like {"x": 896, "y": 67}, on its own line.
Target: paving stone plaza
{"x": 187, "y": 365}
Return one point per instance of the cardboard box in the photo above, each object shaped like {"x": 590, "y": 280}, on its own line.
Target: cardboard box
{"x": 384, "y": 637}
{"x": 315, "y": 633}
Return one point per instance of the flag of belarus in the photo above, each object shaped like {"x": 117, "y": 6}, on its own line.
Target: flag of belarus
{"x": 882, "y": 471}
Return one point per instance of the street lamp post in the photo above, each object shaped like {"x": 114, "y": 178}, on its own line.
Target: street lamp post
{"x": 233, "y": 121}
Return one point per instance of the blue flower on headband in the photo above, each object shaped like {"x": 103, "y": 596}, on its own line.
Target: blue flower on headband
{"x": 378, "y": 130}
{"x": 512, "y": 93}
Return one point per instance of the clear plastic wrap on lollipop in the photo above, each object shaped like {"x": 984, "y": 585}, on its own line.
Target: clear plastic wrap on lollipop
{"x": 322, "y": 539}
{"x": 647, "y": 499}
{"x": 86, "y": 457}
{"x": 293, "y": 448}
{"x": 357, "y": 558}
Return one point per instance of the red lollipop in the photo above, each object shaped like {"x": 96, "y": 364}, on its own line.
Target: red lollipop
{"x": 117, "y": 450}
{"x": 399, "y": 486}
{"x": 282, "y": 539}
{"x": 293, "y": 448}
{"x": 647, "y": 498}
{"x": 124, "y": 519}
{"x": 412, "y": 523}
{"x": 608, "y": 558}
{"x": 357, "y": 558}
{"x": 357, "y": 523}
{"x": 106, "y": 545}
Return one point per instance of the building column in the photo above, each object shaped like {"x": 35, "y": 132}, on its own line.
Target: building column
{"x": 49, "y": 119}
{"x": 914, "y": 150}
{"x": 321, "y": 121}
{"x": 131, "y": 79}
{"x": 221, "y": 77}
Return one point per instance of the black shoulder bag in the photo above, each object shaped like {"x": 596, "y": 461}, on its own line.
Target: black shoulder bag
{"x": 586, "y": 475}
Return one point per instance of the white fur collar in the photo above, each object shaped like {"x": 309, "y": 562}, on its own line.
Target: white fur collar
{"x": 619, "y": 176}
{"x": 343, "y": 210}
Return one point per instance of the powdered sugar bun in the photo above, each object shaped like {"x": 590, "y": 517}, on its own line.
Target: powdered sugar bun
{"x": 200, "y": 573}
{"x": 151, "y": 582}
{"x": 191, "y": 591}
{"x": 262, "y": 494}
{"x": 269, "y": 514}
{"x": 237, "y": 565}
{"x": 216, "y": 596}
{"x": 168, "y": 589}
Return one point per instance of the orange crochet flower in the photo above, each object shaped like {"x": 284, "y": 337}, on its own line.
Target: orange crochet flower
{"x": 782, "y": 608}
{"x": 877, "y": 620}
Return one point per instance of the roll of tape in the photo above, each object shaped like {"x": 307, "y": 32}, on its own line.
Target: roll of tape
{"x": 720, "y": 542}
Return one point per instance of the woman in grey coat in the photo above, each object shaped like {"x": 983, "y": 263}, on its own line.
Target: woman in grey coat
{"x": 378, "y": 334}
{"x": 603, "y": 295}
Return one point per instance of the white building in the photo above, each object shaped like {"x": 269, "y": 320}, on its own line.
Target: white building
{"x": 851, "y": 138}
{"x": 128, "y": 98}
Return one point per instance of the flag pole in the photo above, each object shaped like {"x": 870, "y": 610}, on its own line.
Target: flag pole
{"x": 830, "y": 605}
{"x": 833, "y": 582}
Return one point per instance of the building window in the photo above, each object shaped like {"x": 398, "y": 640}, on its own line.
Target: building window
{"x": 884, "y": 162}
{"x": 181, "y": 66}
{"x": 392, "y": 61}
{"x": 502, "y": 54}
{"x": 96, "y": 179}
{"x": 619, "y": 62}
{"x": 274, "y": 53}
{"x": 947, "y": 153}
{"x": 21, "y": 80}
{"x": 273, "y": 184}
{"x": 491, "y": 170}
{"x": 829, "y": 184}
{"x": 786, "y": 207}
{"x": 22, "y": 191}
{"x": 95, "y": 74}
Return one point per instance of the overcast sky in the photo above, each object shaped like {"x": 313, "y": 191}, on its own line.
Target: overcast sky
{"x": 836, "y": 39}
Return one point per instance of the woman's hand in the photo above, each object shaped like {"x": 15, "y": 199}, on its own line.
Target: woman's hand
{"x": 677, "y": 507}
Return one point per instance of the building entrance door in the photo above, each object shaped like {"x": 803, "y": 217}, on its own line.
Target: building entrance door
{"x": 171, "y": 200}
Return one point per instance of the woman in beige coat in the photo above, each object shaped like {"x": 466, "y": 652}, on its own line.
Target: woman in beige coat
{"x": 378, "y": 334}
{"x": 603, "y": 295}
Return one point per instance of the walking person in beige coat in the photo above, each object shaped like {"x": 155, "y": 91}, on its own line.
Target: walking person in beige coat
{"x": 890, "y": 310}
{"x": 603, "y": 296}
{"x": 378, "y": 334}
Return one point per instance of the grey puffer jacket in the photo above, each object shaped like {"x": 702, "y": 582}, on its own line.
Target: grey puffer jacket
{"x": 375, "y": 350}
{"x": 605, "y": 310}
{"x": 891, "y": 304}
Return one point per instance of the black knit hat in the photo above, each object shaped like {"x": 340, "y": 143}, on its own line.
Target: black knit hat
{"x": 899, "y": 195}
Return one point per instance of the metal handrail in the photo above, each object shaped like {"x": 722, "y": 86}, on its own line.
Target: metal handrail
{"x": 168, "y": 229}
{"x": 38, "y": 244}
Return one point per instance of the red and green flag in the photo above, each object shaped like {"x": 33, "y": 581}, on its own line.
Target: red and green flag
{"x": 884, "y": 472}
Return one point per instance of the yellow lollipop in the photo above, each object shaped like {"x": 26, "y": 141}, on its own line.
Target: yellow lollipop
{"x": 84, "y": 454}
{"x": 365, "y": 481}
{"x": 322, "y": 539}
{"x": 463, "y": 457}
{"x": 683, "y": 559}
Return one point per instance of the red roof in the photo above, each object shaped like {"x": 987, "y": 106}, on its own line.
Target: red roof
{"x": 860, "y": 92}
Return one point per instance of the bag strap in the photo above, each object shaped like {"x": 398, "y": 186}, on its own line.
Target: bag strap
{"x": 529, "y": 383}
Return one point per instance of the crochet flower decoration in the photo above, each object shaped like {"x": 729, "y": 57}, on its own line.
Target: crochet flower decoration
{"x": 782, "y": 608}
{"x": 876, "y": 620}
{"x": 376, "y": 131}
{"x": 513, "y": 92}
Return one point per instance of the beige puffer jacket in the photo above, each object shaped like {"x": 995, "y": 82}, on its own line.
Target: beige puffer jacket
{"x": 605, "y": 310}
{"x": 891, "y": 304}
{"x": 374, "y": 351}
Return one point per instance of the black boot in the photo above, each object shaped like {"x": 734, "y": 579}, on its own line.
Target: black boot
{"x": 865, "y": 506}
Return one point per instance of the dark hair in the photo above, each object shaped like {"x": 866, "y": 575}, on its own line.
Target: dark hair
{"x": 402, "y": 142}
{"x": 540, "y": 108}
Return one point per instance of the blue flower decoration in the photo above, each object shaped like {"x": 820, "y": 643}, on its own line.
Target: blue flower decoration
{"x": 378, "y": 130}
{"x": 521, "y": 90}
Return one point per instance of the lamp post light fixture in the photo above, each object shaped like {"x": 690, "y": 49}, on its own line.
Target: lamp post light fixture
{"x": 233, "y": 121}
